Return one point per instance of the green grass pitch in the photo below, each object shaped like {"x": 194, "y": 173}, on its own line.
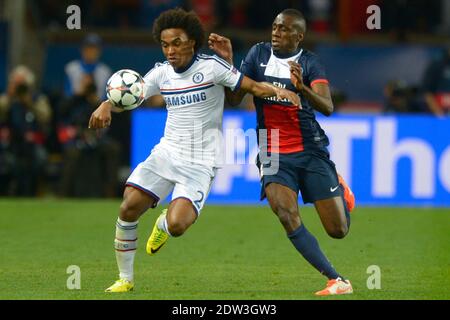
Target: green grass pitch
{"x": 231, "y": 252}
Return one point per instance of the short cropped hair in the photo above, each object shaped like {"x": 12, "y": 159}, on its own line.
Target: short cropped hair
{"x": 298, "y": 16}
{"x": 180, "y": 19}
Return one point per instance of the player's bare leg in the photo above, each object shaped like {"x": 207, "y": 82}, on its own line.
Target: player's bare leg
{"x": 284, "y": 203}
{"x": 180, "y": 216}
{"x": 174, "y": 221}
{"x": 332, "y": 214}
{"x": 135, "y": 203}
{"x": 335, "y": 212}
{"x": 335, "y": 218}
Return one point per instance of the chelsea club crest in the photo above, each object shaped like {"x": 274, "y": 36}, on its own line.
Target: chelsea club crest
{"x": 197, "y": 77}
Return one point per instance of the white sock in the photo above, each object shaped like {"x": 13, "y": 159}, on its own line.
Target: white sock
{"x": 125, "y": 245}
{"x": 162, "y": 224}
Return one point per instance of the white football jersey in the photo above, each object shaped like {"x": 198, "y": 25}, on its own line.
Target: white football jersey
{"x": 194, "y": 99}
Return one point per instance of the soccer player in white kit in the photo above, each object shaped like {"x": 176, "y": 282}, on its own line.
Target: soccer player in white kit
{"x": 185, "y": 160}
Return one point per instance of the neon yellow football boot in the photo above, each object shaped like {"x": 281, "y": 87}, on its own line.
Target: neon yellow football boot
{"x": 158, "y": 237}
{"x": 121, "y": 285}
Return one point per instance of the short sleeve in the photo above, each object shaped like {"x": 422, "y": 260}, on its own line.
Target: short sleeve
{"x": 316, "y": 71}
{"x": 225, "y": 74}
{"x": 248, "y": 64}
{"x": 151, "y": 80}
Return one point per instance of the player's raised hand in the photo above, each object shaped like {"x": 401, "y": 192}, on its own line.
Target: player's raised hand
{"x": 101, "y": 117}
{"x": 222, "y": 46}
{"x": 296, "y": 75}
{"x": 289, "y": 95}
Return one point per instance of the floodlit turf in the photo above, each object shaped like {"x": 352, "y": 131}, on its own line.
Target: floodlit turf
{"x": 229, "y": 253}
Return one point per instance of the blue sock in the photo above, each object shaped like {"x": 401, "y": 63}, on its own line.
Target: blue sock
{"x": 307, "y": 245}
{"x": 347, "y": 213}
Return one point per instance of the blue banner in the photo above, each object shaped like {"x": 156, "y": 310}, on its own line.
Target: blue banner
{"x": 403, "y": 160}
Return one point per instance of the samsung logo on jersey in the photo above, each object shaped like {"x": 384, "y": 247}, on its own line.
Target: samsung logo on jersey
{"x": 185, "y": 99}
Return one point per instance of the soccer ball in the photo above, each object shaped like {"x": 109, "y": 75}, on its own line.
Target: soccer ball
{"x": 125, "y": 89}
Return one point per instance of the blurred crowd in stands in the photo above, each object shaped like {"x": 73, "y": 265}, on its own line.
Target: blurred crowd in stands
{"x": 43, "y": 142}
{"x": 399, "y": 16}
{"x": 431, "y": 96}
{"x": 45, "y": 146}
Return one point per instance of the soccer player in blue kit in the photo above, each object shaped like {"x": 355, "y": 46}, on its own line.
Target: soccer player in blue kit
{"x": 304, "y": 162}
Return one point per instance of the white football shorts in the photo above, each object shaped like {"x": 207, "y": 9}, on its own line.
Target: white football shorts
{"x": 160, "y": 174}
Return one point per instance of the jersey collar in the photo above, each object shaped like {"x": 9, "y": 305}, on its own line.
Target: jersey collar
{"x": 286, "y": 55}
{"x": 183, "y": 69}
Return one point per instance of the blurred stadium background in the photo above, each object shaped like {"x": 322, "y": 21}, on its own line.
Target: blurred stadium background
{"x": 390, "y": 139}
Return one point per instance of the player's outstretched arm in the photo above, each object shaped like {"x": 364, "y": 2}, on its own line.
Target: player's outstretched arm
{"x": 101, "y": 117}
{"x": 319, "y": 96}
{"x": 265, "y": 90}
{"x": 234, "y": 97}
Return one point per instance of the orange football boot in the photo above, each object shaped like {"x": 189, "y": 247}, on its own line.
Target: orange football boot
{"x": 349, "y": 197}
{"x": 336, "y": 286}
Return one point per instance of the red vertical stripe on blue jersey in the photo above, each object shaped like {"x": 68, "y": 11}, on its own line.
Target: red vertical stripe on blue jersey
{"x": 286, "y": 120}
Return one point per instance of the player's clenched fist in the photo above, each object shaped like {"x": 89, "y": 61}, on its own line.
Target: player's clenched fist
{"x": 296, "y": 75}
{"x": 222, "y": 46}
{"x": 101, "y": 117}
{"x": 289, "y": 95}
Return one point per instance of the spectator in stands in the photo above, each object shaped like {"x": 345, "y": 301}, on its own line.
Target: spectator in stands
{"x": 261, "y": 11}
{"x": 84, "y": 151}
{"x": 205, "y": 11}
{"x": 78, "y": 72}
{"x": 436, "y": 85}
{"x": 402, "y": 98}
{"x": 231, "y": 14}
{"x": 402, "y": 17}
{"x": 151, "y": 9}
{"x": 339, "y": 98}
{"x": 25, "y": 116}
{"x": 320, "y": 15}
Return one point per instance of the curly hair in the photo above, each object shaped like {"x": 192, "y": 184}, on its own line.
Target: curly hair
{"x": 180, "y": 19}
